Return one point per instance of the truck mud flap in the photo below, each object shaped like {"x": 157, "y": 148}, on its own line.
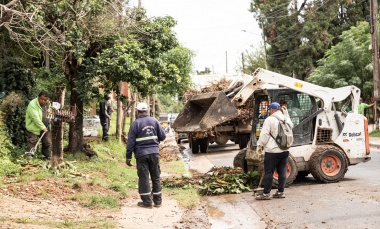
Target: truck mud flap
{"x": 204, "y": 111}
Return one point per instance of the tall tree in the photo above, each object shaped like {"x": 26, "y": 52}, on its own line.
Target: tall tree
{"x": 254, "y": 59}
{"x": 348, "y": 63}
{"x": 299, "y": 32}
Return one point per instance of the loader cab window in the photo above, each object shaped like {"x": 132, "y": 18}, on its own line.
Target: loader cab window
{"x": 261, "y": 109}
{"x": 300, "y": 106}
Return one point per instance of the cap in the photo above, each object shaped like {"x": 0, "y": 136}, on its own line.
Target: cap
{"x": 142, "y": 107}
{"x": 275, "y": 106}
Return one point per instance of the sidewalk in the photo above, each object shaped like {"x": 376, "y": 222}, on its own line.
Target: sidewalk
{"x": 374, "y": 142}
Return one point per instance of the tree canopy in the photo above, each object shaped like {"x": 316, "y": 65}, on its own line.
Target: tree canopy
{"x": 348, "y": 63}
{"x": 299, "y": 32}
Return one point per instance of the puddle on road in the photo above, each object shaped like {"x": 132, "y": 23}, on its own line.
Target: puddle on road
{"x": 226, "y": 211}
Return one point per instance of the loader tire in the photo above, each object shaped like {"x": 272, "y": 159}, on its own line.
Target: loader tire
{"x": 239, "y": 160}
{"x": 195, "y": 146}
{"x": 328, "y": 164}
{"x": 291, "y": 173}
{"x": 243, "y": 140}
{"x": 203, "y": 145}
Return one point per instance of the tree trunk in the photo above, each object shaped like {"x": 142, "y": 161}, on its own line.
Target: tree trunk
{"x": 76, "y": 128}
{"x": 57, "y": 130}
{"x": 119, "y": 117}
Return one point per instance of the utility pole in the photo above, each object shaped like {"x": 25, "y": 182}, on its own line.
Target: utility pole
{"x": 265, "y": 46}
{"x": 375, "y": 56}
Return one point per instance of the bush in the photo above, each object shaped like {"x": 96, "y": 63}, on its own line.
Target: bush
{"x": 7, "y": 168}
{"x": 6, "y": 145}
{"x": 13, "y": 107}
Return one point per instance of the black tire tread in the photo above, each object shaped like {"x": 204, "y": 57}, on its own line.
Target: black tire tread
{"x": 314, "y": 163}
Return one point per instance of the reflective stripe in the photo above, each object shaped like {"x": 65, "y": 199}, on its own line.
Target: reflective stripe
{"x": 145, "y": 194}
{"x": 157, "y": 193}
{"x": 145, "y": 138}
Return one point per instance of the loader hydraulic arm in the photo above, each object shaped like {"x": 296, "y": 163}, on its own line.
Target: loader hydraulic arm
{"x": 263, "y": 79}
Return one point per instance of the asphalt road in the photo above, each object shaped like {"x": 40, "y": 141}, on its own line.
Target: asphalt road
{"x": 353, "y": 202}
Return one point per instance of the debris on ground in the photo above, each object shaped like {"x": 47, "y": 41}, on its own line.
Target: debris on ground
{"x": 217, "y": 181}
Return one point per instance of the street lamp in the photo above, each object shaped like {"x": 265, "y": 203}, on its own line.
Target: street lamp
{"x": 265, "y": 47}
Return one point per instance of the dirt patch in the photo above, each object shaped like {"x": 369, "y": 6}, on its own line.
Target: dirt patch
{"x": 48, "y": 202}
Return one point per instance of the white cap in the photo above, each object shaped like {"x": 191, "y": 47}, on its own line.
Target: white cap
{"x": 142, "y": 107}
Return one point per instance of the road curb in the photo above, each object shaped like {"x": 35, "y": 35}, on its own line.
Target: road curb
{"x": 374, "y": 145}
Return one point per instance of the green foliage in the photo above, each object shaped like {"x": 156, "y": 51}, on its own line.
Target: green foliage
{"x": 7, "y": 168}
{"x": 169, "y": 104}
{"x": 16, "y": 76}
{"x": 219, "y": 180}
{"x": 375, "y": 133}
{"x": 253, "y": 60}
{"x": 347, "y": 63}
{"x": 180, "y": 58}
{"x": 149, "y": 64}
{"x": 299, "y": 34}
{"x": 6, "y": 145}
{"x": 13, "y": 107}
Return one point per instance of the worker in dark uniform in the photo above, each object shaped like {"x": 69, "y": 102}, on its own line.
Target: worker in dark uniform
{"x": 105, "y": 113}
{"x": 144, "y": 138}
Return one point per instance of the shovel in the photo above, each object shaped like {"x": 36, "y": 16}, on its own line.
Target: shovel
{"x": 34, "y": 149}
{"x": 259, "y": 190}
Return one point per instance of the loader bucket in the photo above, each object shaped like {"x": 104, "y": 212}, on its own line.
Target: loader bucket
{"x": 204, "y": 111}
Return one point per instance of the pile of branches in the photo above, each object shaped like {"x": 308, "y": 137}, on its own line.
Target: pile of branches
{"x": 220, "y": 85}
{"x": 217, "y": 181}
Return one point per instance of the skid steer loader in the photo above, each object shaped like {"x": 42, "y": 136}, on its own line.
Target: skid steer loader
{"x": 329, "y": 134}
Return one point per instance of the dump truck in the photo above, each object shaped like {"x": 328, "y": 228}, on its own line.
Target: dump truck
{"x": 211, "y": 117}
{"x": 329, "y": 133}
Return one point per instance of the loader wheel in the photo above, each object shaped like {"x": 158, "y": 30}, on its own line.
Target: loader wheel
{"x": 195, "y": 146}
{"x": 328, "y": 164}
{"x": 291, "y": 173}
{"x": 243, "y": 140}
{"x": 203, "y": 145}
{"x": 239, "y": 160}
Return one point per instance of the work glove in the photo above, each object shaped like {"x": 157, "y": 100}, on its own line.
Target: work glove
{"x": 128, "y": 162}
{"x": 284, "y": 110}
{"x": 259, "y": 151}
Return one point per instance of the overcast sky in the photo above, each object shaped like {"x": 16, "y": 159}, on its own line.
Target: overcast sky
{"x": 210, "y": 28}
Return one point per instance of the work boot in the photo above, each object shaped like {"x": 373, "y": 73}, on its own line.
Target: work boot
{"x": 144, "y": 205}
{"x": 157, "y": 205}
{"x": 263, "y": 196}
{"x": 279, "y": 195}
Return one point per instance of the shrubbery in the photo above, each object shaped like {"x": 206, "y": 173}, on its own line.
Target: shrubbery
{"x": 13, "y": 107}
{"x": 6, "y": 147}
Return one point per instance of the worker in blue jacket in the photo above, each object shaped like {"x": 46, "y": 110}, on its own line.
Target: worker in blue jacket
{"x": 144, "y": 138}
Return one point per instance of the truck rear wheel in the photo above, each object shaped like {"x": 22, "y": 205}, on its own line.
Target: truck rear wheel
{"x": 203, "y": 145}
{"x": 291, "y": 173}
{"x": 328, "y": 164}
{"x": 243, "y": 140}
{"x": 194, "y": 146}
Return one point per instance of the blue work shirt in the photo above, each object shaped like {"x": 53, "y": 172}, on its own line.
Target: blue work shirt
{"x": 144, "y": 136}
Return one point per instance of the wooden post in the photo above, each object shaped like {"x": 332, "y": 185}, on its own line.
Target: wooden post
{"x": 57, "y": 129}
{"x": 119, "y": 114}
{"x": 375, "y": 56}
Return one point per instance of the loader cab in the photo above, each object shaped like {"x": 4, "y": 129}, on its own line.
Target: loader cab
{"x": 301, "y": 108}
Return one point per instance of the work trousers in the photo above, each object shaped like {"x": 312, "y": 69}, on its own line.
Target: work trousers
{"x": 274, "y": 161}
{"x": 105, "y": 129}
{"x": 46, "y": 143}
{"x": 149, "y": 165}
